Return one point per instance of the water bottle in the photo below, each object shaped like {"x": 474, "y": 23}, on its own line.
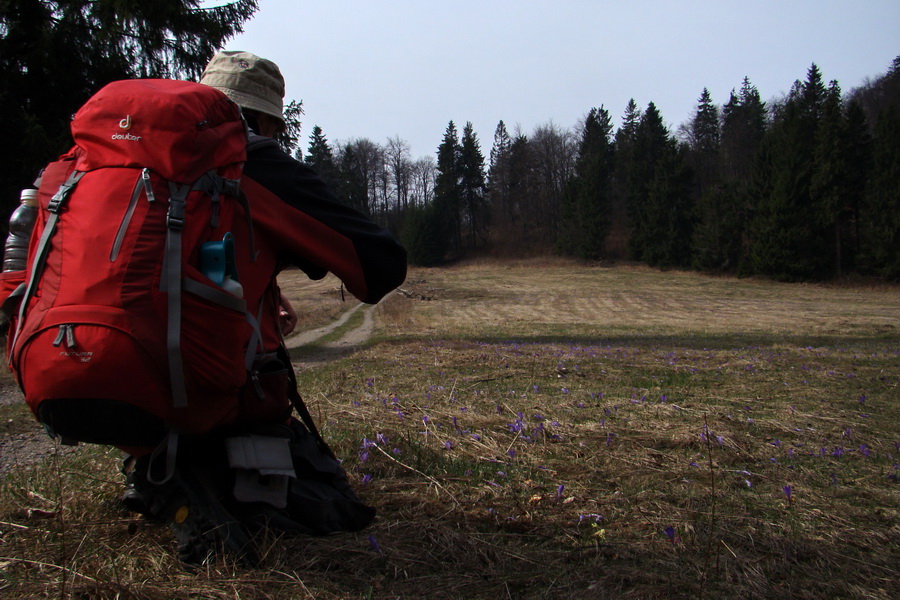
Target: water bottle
{"x": 217, "y": 263}
{"x": 21, "y": 224}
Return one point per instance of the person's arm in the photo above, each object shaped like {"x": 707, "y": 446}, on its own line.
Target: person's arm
{"x": 295, "y": 208}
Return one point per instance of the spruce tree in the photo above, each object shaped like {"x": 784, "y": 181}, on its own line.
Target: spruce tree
{"x": 880, "y": 227}
{"x": 660, "y": 207}
{"x": 704, "y": 143}
{"x": 623, "y": 177}
{"x": 521, "y": 183}
{"x": 715, "y": 236}
{"x": 743, "y": 127}
{"x": 830, "y": 184}
{"x": 744, "y": 123}
{"x": 858, "y": 155}
{"x": 319, "y": 155}
{"x": 499, "y": 177}
{"x": 586, "y": 217}
{"x": 473, "y": 186}
{"x": 447, "y": 190}
{"x": 788, "y": 239}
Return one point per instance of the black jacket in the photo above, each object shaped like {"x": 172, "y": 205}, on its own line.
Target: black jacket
{"x": 298, "y": 216}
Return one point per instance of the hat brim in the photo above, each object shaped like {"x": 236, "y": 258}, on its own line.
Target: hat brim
{"x": 252, "y": 102}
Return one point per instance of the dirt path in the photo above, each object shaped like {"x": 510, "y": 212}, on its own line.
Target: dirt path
{"x": 332, "y": 350}
{"x": 352, "y": 338}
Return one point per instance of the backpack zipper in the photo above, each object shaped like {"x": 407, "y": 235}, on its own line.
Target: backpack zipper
{"x": 148, "y": 186}
{"x": 143, "y": 184}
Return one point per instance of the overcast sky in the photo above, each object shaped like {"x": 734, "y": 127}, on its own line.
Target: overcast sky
{"x": 404, "y": 68}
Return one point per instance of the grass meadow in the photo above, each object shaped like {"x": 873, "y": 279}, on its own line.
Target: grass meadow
{"x": 547, "y": 429}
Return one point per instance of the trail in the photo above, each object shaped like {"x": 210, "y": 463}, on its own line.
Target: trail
{"x": 332, "y": 350}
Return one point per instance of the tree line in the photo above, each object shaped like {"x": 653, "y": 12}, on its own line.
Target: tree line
{"x": 806, "y": 187}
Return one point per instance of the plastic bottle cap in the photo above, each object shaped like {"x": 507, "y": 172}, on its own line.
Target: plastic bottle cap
{"x": 29, "y": 197}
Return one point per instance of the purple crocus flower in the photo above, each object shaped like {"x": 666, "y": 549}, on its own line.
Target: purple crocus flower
{"x": 373, "y": 543}
{"x": 670, "y": 533}
{"x": 788, "y": 493}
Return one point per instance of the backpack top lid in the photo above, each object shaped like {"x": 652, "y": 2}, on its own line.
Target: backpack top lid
{"x": 178, "y": 129}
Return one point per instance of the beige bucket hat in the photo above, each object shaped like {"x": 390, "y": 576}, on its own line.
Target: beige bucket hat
{"x": 250, "y": 81}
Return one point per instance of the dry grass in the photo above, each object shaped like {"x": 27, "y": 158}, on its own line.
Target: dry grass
{"x": 542, "y": 429}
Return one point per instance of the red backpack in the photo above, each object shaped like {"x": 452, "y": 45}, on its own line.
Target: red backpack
{"x": 125, "y": 330}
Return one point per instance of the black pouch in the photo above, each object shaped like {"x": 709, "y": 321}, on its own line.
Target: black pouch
{"x": 320, "y": 499}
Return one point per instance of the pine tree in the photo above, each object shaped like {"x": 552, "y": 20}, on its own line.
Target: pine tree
{"x": 858, "y": 155}
{"x": 704, "y": 143}
{"x": 829, "y": 186}
{"x": 473, "y": 186}
{"x": 447, "y": 192}
{"x": 722, "y": 242}
{"x": 586, "y": 215}
{"x": 743, "y": 127}
{"x": 623, "y": 176}
{"x": 320, "y": 157}
{"x": 880, "y": 227}
{"x": 788, "y": 240}
{"x": 521, "y": 182}
{"x": 499, "y": 177}
{"x": 717, "y": 233}
{"x": 54, "y": 55}
{"x": 660, "y": 212}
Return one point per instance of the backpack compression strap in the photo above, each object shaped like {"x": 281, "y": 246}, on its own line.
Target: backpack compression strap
{"x": 173, "y": 283}
{"x": 40, "y": 256}
{"x": 171, "y": 280}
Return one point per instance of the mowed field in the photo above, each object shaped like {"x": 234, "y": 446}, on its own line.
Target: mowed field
{"x": 547, "y": 429}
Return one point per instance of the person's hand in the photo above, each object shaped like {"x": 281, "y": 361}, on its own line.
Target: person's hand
{"x": 287, "y": 317}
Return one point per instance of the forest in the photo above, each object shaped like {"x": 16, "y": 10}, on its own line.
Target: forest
{"x": 802, "y": 188}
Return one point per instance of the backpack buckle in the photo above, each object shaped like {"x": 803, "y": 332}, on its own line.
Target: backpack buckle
{"x": 63, "y": 192}
{"x": 174, "y": 221}
{"x": 175, "y": 215}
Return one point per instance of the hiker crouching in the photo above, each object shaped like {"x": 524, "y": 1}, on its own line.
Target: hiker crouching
{"x": 162, "y": 331}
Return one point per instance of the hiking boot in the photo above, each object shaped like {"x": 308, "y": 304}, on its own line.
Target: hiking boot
{"x": 139, "y": 493}
{"x": 192, "y": 503}
{"x": 202, "y": 524}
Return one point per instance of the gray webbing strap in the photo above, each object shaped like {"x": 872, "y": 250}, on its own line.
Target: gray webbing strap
{"x": 253, "y": 346}
{"x": 214, "y": 295}
{"x": 171, "y": 278}
{"x": 170, "y": 446}
{"x": 214, "y": 184}
{"x": 40, "y": 256}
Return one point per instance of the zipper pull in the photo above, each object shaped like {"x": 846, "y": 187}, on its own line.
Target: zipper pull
{"x": 148, "y": 186}
{"x": 67, "y": 334}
